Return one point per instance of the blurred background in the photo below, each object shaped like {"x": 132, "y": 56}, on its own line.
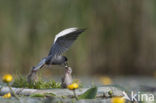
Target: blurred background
{"x": 120, "y": 38}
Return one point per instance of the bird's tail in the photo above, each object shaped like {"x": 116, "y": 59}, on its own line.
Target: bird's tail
{"x": 32, "y": 75}
{"x": 40, "y": 64}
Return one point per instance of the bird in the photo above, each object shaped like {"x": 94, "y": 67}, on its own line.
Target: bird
{"x": 61, "y": 44}
{"x": 67, "y": 78}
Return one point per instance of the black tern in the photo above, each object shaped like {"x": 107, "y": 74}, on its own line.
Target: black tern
{"x": 62, "y": 43}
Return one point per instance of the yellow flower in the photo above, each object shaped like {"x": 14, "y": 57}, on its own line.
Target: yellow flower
{"x": 7, "y": 78}
{"x": 117, "y": 100}
{"x": 106, "y": 80}
{"x": 8, "y": 95}
{"x": 73, "y": 86}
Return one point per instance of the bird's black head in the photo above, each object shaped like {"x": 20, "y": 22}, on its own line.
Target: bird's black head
{"x": 65, "y": 58}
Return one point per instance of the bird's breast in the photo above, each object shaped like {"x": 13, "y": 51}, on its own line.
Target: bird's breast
{"x": 58, "y": 60}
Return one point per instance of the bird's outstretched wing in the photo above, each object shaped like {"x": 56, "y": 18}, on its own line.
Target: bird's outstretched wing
{"x": 64, "y": 40}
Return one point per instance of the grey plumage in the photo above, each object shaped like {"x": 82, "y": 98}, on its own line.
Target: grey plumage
{"x": 67, "y": 79}
{"x": 62, "y": 43}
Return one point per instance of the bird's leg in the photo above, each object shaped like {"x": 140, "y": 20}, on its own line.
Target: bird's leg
{"x": 46, "y": 66}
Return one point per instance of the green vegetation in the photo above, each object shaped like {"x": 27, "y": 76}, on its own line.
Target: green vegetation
{"x": 89, "y": 94}
{"x": 21, "y": 82}
{"x": 43, "y": 95}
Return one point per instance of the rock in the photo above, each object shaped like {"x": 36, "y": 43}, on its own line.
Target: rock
{"x": 102, "y": 92}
